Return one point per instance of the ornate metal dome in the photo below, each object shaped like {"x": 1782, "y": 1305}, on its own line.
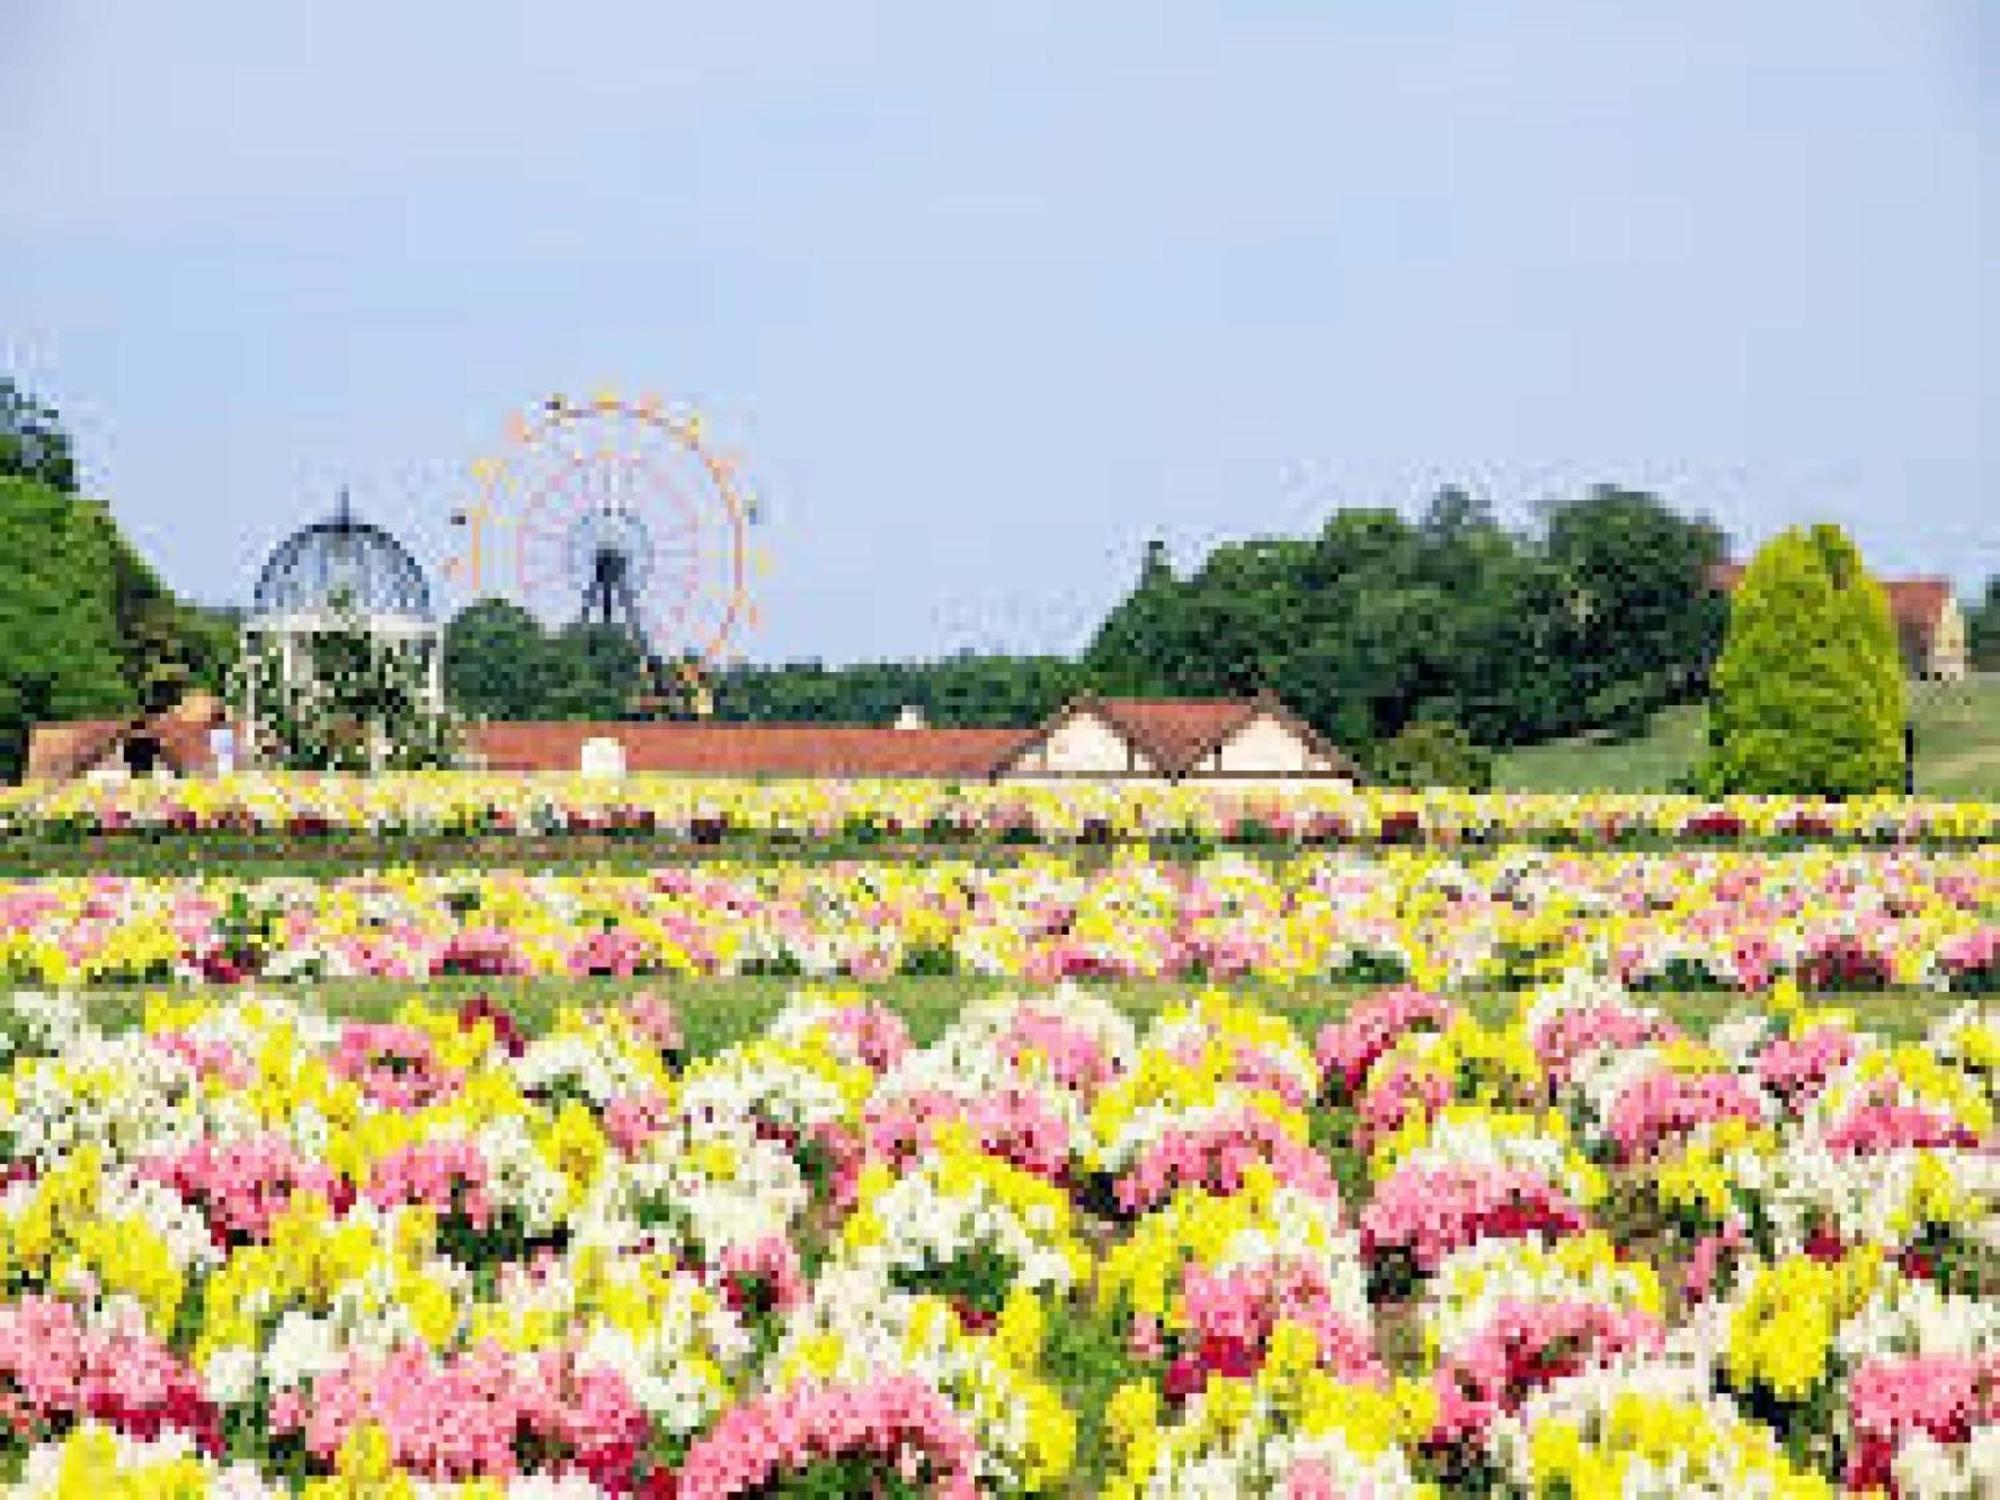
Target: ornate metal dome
{"x": 347, "y": 558}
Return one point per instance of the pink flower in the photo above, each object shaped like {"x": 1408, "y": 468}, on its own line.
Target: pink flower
{"x": 1349, "y": 1048}
{"x": 460, "y": 1417}
{"x": 652, "y": 1016}
{"x": 900, "y": 1420}
{"x": 869, "y": 1033}
{"x": 241, "y": 1186}
{"x": 1014, "y": 1124}
{"x": 1216, "y": 1154}
{"x": 1230, "y": 1316}
{"x": 1664, "y": 1105}
{"x": 1712, "y": 1254}
{"x": 1074, "y": 1058}
{"x": 1878, "y": 1125}
{"x": 396, "y": 1066}
{"x": 1428, "y": 1212}
{"x": 1943, "y": 1396}
{"x": 56, "y": 1370}
{"x": 1525, "y": 1346}
{"x": 447, "y": 1175}
{"x": 633, "y": 1119}
{"x": 1797, "y": 1068}
{"x": 765, "y": 1276}
{"x": 1569, "y": 1035}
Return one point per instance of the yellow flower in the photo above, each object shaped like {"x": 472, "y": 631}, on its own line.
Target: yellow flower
{"x": 1781, "y": 1333}
{"x": 1017, "y": 1338}
{"x": 576, "y": 1147}
{"x": 1132, "y": 1411}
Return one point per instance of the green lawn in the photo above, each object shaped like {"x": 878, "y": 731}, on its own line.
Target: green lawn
{"x": 717, "y": 1013}
{"x": 1958, "y": 750}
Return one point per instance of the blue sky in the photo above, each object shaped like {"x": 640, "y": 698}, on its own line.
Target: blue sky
{"x": 990, "y": 294}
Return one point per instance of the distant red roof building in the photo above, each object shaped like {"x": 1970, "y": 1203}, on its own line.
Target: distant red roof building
{"x": 1102, "y": 738}
{"x": 175, "y": 742}
{"x": 1151, "y": 738}
{"x": 711, "y": 749}
{"x": 1929, "y": 623}
{"x": 1179, "y": 738}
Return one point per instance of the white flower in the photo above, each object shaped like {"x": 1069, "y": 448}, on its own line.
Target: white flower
{"x": 302, "y": 1349}
{"x": 230, "y": 1376}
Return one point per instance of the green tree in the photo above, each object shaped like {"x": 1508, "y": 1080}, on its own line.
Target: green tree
{"x": 167, "y": 648}
{"x": 1982, "y": 629}
{"x": 498, "y": 662}
{"x": 597, "y": 673}
{"x": 1432, "y": 753}
{"x": 33, "y": 444}
{"x": 1637, "y": 625}
{"x": 1139, "y": 648}
{"x": 60, "y": 649}
{"x": 1809, "y": 695}
{"x": 963, "y": 690}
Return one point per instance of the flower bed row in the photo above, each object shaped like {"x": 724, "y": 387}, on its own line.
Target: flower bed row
{"x": 249, "y": 1247}
{"x": 1831, "y": 920}
{"x": 808, "y": 813}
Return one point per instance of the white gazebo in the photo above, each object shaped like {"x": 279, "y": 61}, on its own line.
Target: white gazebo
{"x": 326, "y": 576}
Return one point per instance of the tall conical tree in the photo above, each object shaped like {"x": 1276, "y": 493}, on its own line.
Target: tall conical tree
{"x": 1809, "y": 689}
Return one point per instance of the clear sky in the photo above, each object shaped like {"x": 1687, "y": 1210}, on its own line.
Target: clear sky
{"x": 991, "y": 293}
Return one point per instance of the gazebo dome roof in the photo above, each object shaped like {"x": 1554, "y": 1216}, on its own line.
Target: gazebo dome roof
{"x": 342, "y": 559}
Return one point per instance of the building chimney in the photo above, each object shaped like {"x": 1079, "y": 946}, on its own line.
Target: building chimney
{"x": 911, "y": 717}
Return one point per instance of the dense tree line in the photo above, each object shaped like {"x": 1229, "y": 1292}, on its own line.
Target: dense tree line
{"x": 87, "y": 630}
{"x": 500, "y": 663}
{"x": 965, "y": 689}
{"x": 1586, "y": 623}
{"x": 1378, "y": 622}
{"x": 1591, "y": 621}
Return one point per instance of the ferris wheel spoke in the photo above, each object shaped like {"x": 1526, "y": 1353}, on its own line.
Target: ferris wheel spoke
{"x": 613, "y": 499}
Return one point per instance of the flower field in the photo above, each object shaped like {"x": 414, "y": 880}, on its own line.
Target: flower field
{"x": 254, "y": 1247}
{"x": 1833, "y": 920}
{"x": 810, "y": 813}
{"x": 1407, "y": 1144}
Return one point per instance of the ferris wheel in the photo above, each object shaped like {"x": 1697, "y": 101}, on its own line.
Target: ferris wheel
{"x": 625, "y": 516}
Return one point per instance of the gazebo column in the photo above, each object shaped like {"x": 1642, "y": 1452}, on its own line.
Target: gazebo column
{"x": 247, "y": 650}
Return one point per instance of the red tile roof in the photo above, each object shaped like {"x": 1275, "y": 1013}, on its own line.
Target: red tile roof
{"x": 1918, "y": 601}
{"x": 1176, "y": 732}
{"x": 58, "y": 752}
{"x": 709, "y": 749}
